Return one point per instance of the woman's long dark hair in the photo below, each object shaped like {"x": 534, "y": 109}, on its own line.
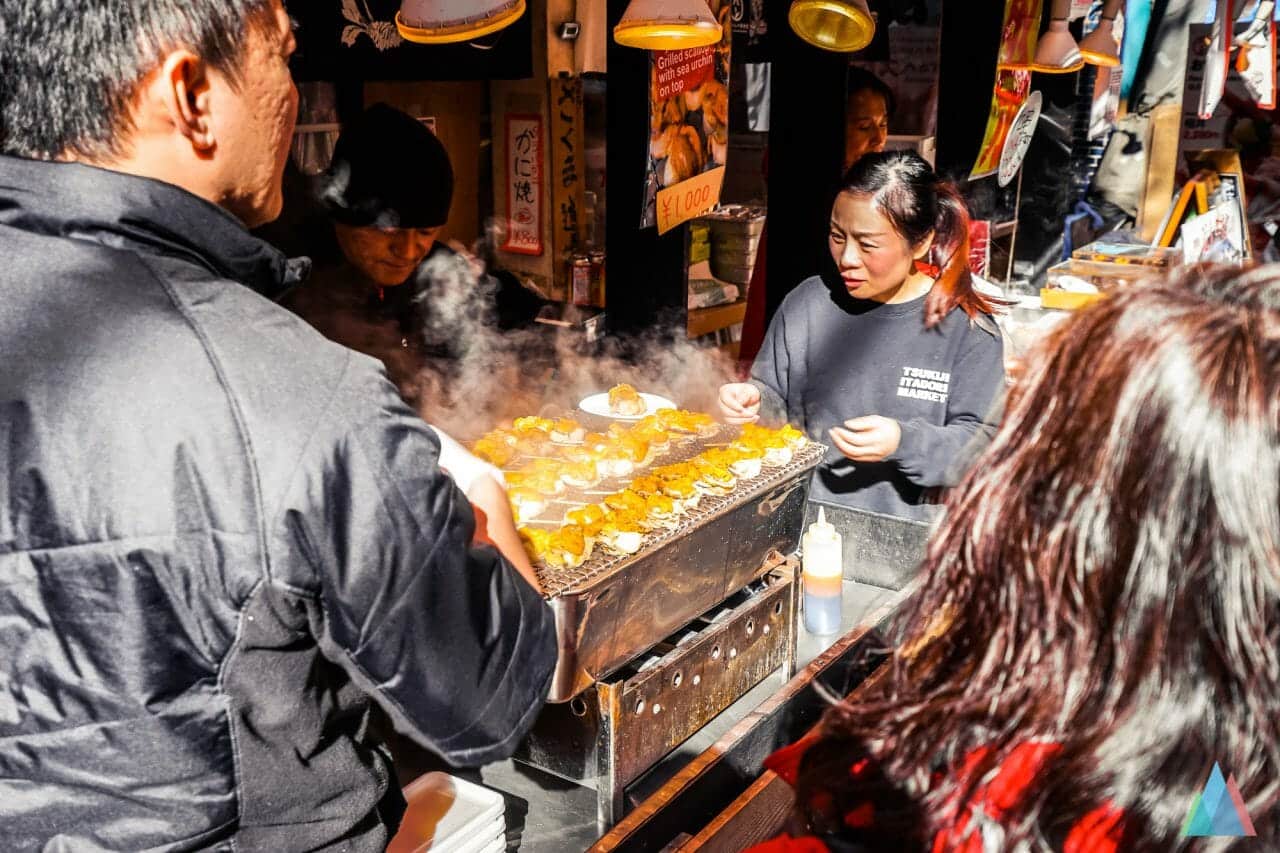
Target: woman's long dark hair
{"x": 1107, "y": 578}
{"x": 907, "y": 192}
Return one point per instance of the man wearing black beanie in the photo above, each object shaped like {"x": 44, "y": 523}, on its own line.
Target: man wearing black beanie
{"x": 376, "y": 279}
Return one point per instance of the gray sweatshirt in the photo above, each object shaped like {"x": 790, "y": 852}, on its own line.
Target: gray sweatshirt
{"x": 828, "y": 357}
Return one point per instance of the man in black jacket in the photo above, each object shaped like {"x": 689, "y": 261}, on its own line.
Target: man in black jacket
{"x": 222, "y": 537}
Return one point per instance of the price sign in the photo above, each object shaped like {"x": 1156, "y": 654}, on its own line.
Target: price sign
{"x": 689, "y": 199}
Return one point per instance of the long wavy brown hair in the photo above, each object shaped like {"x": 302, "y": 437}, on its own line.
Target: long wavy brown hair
{"x": 1107, "y": 579}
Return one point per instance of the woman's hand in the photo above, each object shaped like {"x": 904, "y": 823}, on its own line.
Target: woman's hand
{"x": 869, "y": 439}
{"x": 740, "y": 403}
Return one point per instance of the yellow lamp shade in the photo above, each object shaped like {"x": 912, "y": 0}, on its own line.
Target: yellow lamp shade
{"x": 667, "y": 25}
{"x": 837, "y": 25}
{"x": 449, "y": 21}
{"x": 1100, "y": 47}
{"x": 1057, "y": 51}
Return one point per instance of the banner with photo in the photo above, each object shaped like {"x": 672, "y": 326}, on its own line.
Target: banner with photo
{"x": 688, "y": 122}
{"x": 1013, "y": 86}
{"x": 1018, "y": 39}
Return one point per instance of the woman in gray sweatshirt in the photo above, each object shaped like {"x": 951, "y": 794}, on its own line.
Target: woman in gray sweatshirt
{"x": 892, "y": 357}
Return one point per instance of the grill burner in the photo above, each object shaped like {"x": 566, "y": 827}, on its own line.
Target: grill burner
{"x": 613, "y": 608}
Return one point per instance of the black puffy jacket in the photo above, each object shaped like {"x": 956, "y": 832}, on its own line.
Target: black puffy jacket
{"x": 220, "y": 536}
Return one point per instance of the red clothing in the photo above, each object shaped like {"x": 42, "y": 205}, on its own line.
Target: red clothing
{"x": 1099, "y": 831}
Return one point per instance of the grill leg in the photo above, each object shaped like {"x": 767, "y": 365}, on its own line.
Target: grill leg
{"x": 793, "y": 635}
{"x": 609, "y": 788}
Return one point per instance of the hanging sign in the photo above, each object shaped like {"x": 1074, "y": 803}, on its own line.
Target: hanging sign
{"x": 1018, "y": 140}
{"x": 1218, "y": 61}
{"x": 568, "y": 200}
{"x": 1020, "y": 33}
{"x": 1256, "y": 55}
{"x": 689, "y": 199}
{"x": 688, "y": 117}
{"x": 1011, "y": 91}
{"x": 524, "y": 184}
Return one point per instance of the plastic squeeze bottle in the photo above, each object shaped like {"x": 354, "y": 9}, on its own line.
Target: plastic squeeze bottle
{"x": 821, "y": 576}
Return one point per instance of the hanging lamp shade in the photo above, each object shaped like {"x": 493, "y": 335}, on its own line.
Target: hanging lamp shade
{"x": 1100, "y": 47}
{"x": 1057, "y": 51}
{"x": 667, "y": 25}
{"x": 838, "y": 25}
{"x": 449, "y": 21}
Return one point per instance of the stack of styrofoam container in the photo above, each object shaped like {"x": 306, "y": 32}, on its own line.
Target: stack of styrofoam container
{"x": 450, "y": 815}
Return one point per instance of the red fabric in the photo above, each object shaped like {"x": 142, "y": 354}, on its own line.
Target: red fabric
{"x": 862, "y": 817}
{"x": 753, "y": 324}
{"x": 1099, "y": 831}
{"x": 786, "y": 844}
{"x": 786, "y": 761}
{"x": 931, "y": 270}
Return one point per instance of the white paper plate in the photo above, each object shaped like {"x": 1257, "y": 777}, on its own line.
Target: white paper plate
{"x": 598, "y": 404}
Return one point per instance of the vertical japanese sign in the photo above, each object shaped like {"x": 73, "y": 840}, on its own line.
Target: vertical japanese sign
{"x": 688, "y": 127}
{"x": 567, "y": 165}
{"x": 524, "y": 184}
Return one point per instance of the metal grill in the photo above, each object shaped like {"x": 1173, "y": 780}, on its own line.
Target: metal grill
{"x": 562, "y": 581}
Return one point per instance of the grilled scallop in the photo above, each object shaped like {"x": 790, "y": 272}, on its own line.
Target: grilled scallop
{"x": 566, "y": 431}
{"x": 626, "y": 401}
{"x": 614, "y": 463}
{"x": 794, "y": 438}
{"x": 571, "y": 546}
{"x": 661, "y": 509}
{"x": 622, "y": 533}
{"x": 580, "y": 475}
{"x": 683, "y": 490}
{"x": 494, "y": 451}
{"x": 625, "y": 501}
{"x": 532, "y": 423}
{"x": 526, "y": 504}
{"x": 746, "y": 466}
{"x": 649, "y": 484}
{"x": 585, "y": 516}
{"x": 536, "y": 543}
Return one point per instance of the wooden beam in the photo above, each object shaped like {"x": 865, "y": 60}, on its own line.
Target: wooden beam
{"x": 757, "y": 815}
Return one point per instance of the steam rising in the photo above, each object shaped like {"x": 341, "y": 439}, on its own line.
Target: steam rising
{"x": 498, "y": 375}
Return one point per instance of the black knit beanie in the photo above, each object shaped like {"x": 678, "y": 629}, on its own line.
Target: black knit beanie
{"x": 389, "y": 171}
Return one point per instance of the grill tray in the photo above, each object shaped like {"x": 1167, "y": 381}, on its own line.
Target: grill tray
{"x": 560, "y": 581}
{"x": 613, "y": 608}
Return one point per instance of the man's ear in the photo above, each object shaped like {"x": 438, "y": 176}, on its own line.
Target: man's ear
{"x": 184, "y": 94}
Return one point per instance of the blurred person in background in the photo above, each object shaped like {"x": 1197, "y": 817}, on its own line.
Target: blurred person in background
{"x": 869, "y": 109}
{"x": 1099, "y": 616}
{"x": 382, "y": 282}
